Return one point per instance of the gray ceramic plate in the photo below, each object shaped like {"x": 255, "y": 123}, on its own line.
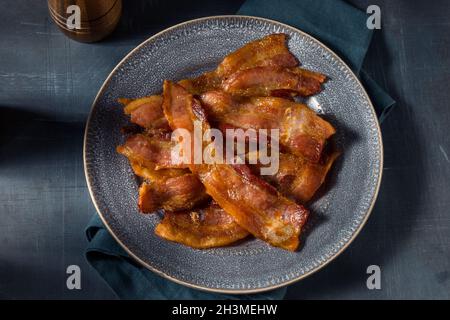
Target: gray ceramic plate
{"x": 187, "y": 50}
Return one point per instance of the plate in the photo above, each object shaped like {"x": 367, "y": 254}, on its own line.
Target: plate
{"x": 337, "y": 214}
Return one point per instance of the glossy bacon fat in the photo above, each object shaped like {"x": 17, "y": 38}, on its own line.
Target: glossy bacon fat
{"x": 302, "y": 131}
{"x": 205, "y": 227}
{"x": 252, "y": 202}
{"x": 170, "y": 189}
{"x": 146, "y": 112}
{"x": 152, "y": 151}
{"x": 269, "y": 81}
{"x": 172, "y": 194}
{"x": 270, "y": 51}
{"x": 298, "y": 178}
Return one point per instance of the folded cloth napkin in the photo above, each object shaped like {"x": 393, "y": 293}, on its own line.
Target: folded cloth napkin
{"x": 338, "y": 25}
{"x": 334, "y": 22}
{"x": 130, "y": 280}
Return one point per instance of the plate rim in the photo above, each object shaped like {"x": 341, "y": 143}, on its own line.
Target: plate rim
{"x": 234, "y": 291}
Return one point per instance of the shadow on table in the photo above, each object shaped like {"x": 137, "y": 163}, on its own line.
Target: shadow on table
{"x": 28, "y": 137}
{"x": 143, "y": 18}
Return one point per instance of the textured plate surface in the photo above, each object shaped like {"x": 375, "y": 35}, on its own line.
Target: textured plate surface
{"x": 187, "y": 50}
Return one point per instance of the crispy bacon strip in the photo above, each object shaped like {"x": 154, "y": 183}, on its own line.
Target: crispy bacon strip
{"x": 298, "y": 178}
{"x": 253, "y": 203}
{"x": 171, "y": 189}
{"x": 146, "y": 112}
{"x": 269, "y": 81}
{"x": 152, "y": 151}
{"x": 205, "y": 82}
{"x": 179, "y": 190}
{"x": 302, "y": 131}
{"x": 149, "y": 173}
{"x": 256, "y": 206}
{"x": 172, "y": 194}
{"x": 271, "y": 51}
{"x": 204, "y": 228}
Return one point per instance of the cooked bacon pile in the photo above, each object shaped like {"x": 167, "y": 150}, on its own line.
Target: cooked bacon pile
{"x": 212, "y": 205}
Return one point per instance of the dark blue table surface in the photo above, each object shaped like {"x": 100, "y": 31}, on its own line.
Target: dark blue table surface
{"x": 47, "y": 85}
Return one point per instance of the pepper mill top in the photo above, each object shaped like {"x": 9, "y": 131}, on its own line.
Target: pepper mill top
{"x": 86, "y": 20}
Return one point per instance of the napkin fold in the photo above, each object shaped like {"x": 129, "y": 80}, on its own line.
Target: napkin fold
{"x": 334, "y": 22}
{"x": 338, "y": 25}
{"x": 129, "y": 280}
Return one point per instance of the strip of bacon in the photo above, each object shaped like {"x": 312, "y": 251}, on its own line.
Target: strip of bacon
{"x": 146, "y": 112}
{"x": 270, "y": 81}
{"x": 302, "y": 131}
{"x": 206, "y": 227}
{"x": 298, "y": 178}
{"x": 172, "y": 194}
{"x": 149, "y": 173}
{"x": 178, "y": 192}
{"x": 152, "y": 151}
{"x": 271, "y": 50}
{"x": 252, "y": 202}
{"x": 205, "y": 82}
{"x": 170, "y": 189}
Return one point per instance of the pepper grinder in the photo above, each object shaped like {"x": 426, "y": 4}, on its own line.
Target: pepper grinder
{"x": 86, "y": 20}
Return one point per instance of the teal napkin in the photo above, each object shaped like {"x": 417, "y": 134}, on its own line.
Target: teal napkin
{"x": 334, "y": 22}
{"x": 129, "y": 280}
{"x": 338, "y": 25}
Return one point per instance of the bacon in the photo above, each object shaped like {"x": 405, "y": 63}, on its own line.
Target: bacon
{"x": 254, "y": 205}
{"x": 170, "y": 189}
{"x": 302, "y": 131}
{"x": 172, "y": 194}
{"x": 298, "y": 178}
{"x": 148, "y": 171}
{"x": 205, "y": 82}
{"x": 204, "y": 228}
{"x": 247, "y": 87}
{"x": 269, "y": 81}
{"x": 271, "y": 51}
{"x": 268, "y": 51}
{"x": 146, "y": 112}
{"x": 152, "y": 151}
